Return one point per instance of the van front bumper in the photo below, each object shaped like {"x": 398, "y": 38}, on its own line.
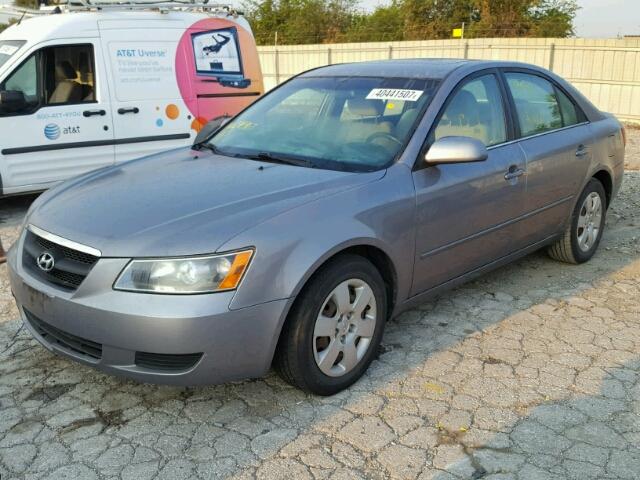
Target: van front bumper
{"x": 166, "y": 339}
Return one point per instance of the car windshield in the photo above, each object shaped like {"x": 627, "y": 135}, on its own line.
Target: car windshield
{"x": 342, "y": 123}
{"x": 8, "y": 48}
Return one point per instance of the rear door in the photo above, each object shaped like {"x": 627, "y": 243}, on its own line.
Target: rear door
{"x": 556, "y": 141}
{"x": 466, "y": 213}
{"x": 65, "y": 126}
{"x": 150, "y": 115}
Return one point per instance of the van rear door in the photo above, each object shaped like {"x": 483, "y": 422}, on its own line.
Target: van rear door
{"x": 150, "y": 114}
{"x": 61, "y": 125}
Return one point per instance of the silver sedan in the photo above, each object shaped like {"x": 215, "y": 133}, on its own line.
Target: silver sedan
{"x": 290, "y": 234}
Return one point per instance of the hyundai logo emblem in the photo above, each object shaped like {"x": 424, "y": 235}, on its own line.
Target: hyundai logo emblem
{"x": 46, "y": 262}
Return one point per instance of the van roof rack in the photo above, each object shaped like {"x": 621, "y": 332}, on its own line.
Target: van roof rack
{"x": 182, "y": 5}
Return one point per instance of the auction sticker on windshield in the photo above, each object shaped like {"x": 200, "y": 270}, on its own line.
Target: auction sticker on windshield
{"x": 394, "y": 94}
{"x": 8, "y": 49}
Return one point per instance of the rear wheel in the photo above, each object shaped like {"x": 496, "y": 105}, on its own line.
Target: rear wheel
{"x": 335, "y": 327}
{"x": 582, "y": 237}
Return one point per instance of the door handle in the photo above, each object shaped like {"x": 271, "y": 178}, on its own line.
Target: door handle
{"x": 91, "y": 113}
{"x": 514, "y": 172}
{"x": 582, "y": 151}
{"x": 123, "y": 111}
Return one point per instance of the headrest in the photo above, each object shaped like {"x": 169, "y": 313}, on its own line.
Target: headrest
{"x": 66, "y": 71}
{"x": 406, "y": 121}
{"x": 463, "y": 108}
{"x": 362, "y": 107}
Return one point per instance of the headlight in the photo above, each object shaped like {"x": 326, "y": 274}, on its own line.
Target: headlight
{"x": 214, "y": 273}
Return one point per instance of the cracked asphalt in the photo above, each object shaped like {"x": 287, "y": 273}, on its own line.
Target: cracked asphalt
{"x": 531, "y": 372}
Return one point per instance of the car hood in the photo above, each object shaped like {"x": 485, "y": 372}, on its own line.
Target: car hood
{"x": 180, "y": 202}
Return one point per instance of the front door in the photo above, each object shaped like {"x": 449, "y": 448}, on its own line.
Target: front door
{"x": 61, "y": 126}
{"x": 467, "y": 213}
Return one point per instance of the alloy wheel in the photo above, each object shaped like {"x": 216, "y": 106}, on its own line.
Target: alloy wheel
{"x": 589, "y": 220}
{"x": 344, "y": 327}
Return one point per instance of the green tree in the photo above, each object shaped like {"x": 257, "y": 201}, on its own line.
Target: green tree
{"x": 322, "y": 21}
{"x": 424, "y": 19}
{"x": 553, "y": 18}
{"x": 384, "y": 23}
{"x": 299, "y": 21}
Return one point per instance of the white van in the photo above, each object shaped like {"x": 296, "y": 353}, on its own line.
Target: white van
{"x": 91, "y": 87}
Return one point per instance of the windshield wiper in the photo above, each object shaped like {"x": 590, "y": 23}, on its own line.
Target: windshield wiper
{"x": 275, "y": 158}
{"x": 206, "y": 146}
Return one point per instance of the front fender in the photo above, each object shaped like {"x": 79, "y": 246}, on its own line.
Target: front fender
{"x": 293, "y": 245}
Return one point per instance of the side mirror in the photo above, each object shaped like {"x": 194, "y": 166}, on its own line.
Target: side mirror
{"x": 209, "y": 129}
{"x": 456, "y": 150}
{"x": 12, "y": 101}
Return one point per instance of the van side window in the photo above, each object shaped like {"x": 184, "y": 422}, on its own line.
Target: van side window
{"x": 536, "y": 103}
{"x": 68, "y": 75}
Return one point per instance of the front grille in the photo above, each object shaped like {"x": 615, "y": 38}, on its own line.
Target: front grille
{"x": 70, "y": 266}
{"x": 167, "y": 362}
{"x": 64, "y": 340}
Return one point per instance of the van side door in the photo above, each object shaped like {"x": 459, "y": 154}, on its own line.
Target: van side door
{"x": 150, "y": 114}
{"x": 59, "y": 123}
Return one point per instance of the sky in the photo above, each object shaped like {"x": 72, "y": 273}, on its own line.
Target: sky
{"x": 595, "y": 19}
{"x": 608, "y": 18}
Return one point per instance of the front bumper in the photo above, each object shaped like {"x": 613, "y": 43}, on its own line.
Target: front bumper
{"x": 140, "y": 335}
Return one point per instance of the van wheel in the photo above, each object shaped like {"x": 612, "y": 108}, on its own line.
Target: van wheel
{"x": 334, "y": 329}
{"x": 582, "y": 237}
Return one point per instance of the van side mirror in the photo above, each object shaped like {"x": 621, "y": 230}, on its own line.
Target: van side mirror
{"x": 456, "y": 150}
{"x": 209, "y": 129}
{"x": 12, "y": 101}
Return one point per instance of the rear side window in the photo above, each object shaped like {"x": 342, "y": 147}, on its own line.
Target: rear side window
{"x": 475, "y": 111}
{"x": 536, "y": 103}
{"x": 567, "y": 109}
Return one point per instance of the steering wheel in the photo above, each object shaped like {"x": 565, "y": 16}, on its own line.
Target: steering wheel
{"x": 386, "y": 135}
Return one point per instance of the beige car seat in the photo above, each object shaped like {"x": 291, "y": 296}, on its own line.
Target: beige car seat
{"x": 67, "y": 90}
{"x": 367, "y": 120}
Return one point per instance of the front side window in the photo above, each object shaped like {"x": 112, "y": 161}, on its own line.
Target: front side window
{"x": 330, "y": 122}
{"x": 536, "y": 103}
{"x": 475, "y": 110}
{"x": 52, "y": 76}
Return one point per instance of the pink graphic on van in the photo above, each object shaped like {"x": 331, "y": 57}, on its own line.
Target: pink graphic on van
{"x": 217, "y": 69}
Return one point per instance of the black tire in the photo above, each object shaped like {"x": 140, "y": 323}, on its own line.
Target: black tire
{"x": 567, "y": 248}
{"x": 294, "y": 359}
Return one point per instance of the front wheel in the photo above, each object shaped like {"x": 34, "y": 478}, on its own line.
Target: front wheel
{"x": 335, "y": 327}
{"x": 582, "y": 237}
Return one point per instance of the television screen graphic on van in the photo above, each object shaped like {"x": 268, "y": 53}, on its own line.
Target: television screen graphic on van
{"x": 217, "y": 52}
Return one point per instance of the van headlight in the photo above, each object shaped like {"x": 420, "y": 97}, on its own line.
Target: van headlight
{"x": 192, "y": 275}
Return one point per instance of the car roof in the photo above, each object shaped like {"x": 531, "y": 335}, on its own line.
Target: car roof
{"x": 436, "y": 68}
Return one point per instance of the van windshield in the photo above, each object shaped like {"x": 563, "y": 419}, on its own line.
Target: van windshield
{"x": 8, "y": 48}
{"x": 341, "y": 123}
